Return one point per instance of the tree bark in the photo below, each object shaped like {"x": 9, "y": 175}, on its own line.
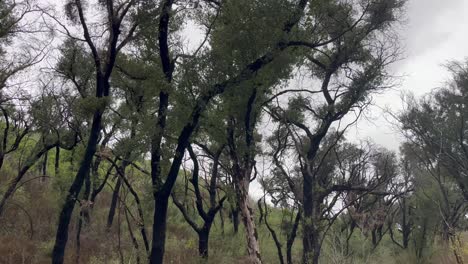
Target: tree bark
{"x": 57, "y": 161}
{"x": 292, "y": 237}
{"x": 113, "y": 205}
{"x": 235, "y": 218}
{"x": 311, "y": 222}
{"x": 203, "y": 239}
{"x": 159, "y": 229}
{"x": 253, "y": 247}
{"x": 67, "y": 209}
{"x": 44, "y": 164}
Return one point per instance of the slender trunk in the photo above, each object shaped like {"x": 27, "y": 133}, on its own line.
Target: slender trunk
{"x": 406, "y": 226}
{"x": 221, "y": 218}
{"x": 2, "y": 159}
{"x": 113, "y": 205}
{"x": 84, "y": 216}
{"x": 350, "y": 234}
{"x": 57, "y": 160}
{"x": 132, "y": 236}
{"x": 119, "y": 235}
{"x": 67, "y": 209}
{"x": 292, "y": 237}
{"x": 78, "y": 239}
{"x": 44, "y": 164}
{"x": 159, "y": 229}
{"x": 422, "y": 240}
{"x": 235, "y": 219}
{"x": 28, "y": 164}
{"x": 374, "y": 238}
{"x": 272, "y": 231}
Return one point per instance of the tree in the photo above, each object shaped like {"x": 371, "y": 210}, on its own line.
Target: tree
{"x": 435, "y": 128}
{"x": 349, "y": 70}
{"x": 53, "y": 128}
{"x": 215, "y": 205}
{"x": 116, "y": 13}
{"x": 438, "y": 123}
{"x": 163, "y": 185}
{"x": 14, "y": 116}
{"x": 359, "y": 178}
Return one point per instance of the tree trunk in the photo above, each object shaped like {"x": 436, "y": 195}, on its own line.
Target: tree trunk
{"x": 44, "y": 164}
{"x": 292, "y": 237}
{"x": 311, "y": 240}
{"x": 113, "y": 205}
{"x": 57, "y": 160}
{"x": 235, "y": 219}
{"x": 84, "y": 217}
{"x": 311, "y": 230}
{"x": 159, "y": 229}
{"x": 203, "y": 239}
{"x": 67, "y": 209}
{"x": 2, "y": 159}
{"x": 242, "y": 190}
{"x": 221, "y": 218}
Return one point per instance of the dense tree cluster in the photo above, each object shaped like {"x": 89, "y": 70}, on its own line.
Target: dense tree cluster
{"x": 140, "y": 111}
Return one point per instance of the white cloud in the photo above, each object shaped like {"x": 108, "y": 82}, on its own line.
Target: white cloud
{"x": 434, "y": 34}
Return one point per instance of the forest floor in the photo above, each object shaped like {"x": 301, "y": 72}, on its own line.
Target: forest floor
{"x": 28, "y": 227}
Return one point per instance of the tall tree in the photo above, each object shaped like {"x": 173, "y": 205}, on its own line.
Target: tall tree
{"x": 438, "y": 124}
{"x": 349, "y": 70}
{"x": 163, "y": 185}
{"x": 117, "y": 16}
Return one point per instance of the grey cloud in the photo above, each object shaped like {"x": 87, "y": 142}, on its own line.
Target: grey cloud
{"x": 429, "y": 23}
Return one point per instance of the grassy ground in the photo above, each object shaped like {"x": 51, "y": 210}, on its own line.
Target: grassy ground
{"x": 28, "y": 227}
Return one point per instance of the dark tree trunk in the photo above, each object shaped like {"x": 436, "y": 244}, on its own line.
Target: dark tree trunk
{"x": 44, "y": 164}
{"x": 2, "y": 159}
{"x": 311, "y": 222}
{"x": 350, "y": 234}
{"x": 57, "y": 160}
{"x": 113, "y": 205}
{"x": 272, "y": 231}
{"x": 235, "y": 219}
{"x": 221, "y": 218}
{"x": 78, "y": 240}
{"x": 67, "y": 209}
{"x": 311, "y": 240}
{"x": 292, "y": 237}
{"x": 159, "y": 229}
{"x": 374, "y": 238}
{"x": 203, "y": 239}
{"x": 84, "y": 216}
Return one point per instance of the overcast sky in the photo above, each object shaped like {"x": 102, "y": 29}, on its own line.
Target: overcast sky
{"x": 433, "y": 34}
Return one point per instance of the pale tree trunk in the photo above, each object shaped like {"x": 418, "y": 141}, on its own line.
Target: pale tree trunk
{"x": 242, "y": 191}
